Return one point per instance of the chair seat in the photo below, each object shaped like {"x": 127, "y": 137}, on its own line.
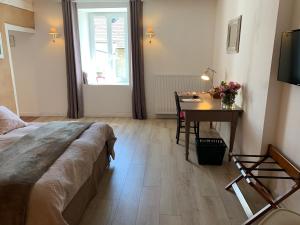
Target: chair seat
{"x": 182, "y": 115}
{"x": 181, "y": 118}
{"x": 281, "y": 217}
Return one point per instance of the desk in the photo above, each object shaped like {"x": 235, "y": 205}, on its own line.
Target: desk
{"x": 209, "y": 109}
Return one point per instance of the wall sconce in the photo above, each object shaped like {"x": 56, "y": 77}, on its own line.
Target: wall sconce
{"x": 150, "y": 34}
{"x": 54, "y": 34}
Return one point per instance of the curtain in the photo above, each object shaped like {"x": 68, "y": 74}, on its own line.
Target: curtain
{"x": 73, "y": 59}
{"x": 138, "y": 92}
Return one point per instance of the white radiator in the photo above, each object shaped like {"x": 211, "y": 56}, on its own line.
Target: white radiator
{"x": 165, "y": 85}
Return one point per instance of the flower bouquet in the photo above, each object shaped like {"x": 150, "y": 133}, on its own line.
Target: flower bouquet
{"x": 215, "y": 92}
{"x": 228, "y": 92}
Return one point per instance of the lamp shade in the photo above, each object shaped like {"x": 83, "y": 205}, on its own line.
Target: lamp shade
{"x": 205, "y": 77}
{"x": 150, "y": 29}
{"x": 53, "y": 30}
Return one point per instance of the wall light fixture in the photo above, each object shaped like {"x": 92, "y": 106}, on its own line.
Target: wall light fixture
{"x": 150, "y": 34}
{"x": 54, "y": 34}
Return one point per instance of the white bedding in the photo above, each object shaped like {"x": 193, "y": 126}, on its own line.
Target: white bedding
{"x": 56, "y": 188}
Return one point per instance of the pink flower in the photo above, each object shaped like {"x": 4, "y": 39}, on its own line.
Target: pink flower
{"x": 234, "y": 86}
{"x": 231, "y": 85}
{"x": 238, "y": 86}
{"x": 229, "y": 88}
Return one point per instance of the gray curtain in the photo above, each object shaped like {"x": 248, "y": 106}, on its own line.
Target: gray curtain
{"x": 73, "y": 59}
{"x": 138, "y": 92}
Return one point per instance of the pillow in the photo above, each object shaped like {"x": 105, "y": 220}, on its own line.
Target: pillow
{"x": 9, "y": 121}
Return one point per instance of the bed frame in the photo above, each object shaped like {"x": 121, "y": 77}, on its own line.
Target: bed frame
{"x": 76, "y": 208}
{"x": 276, "y": 163}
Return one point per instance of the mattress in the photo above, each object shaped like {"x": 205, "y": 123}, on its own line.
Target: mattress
{"x": 57, "y": 187}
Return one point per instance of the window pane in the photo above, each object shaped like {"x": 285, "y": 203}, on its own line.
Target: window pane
{"x": 119, "y": 49}
{"x": 101, "y": 54}
{"x": 108, "y": 46}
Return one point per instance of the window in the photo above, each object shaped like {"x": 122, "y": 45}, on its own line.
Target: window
{"x": 104, "y": 45}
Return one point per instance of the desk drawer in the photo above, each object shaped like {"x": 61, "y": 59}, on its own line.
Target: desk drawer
{"x": 218, "y": 116}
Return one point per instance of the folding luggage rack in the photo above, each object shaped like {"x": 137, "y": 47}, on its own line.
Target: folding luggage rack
{"x": 277, "y": 163}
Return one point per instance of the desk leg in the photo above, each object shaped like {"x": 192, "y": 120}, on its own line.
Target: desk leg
{"x": 187, "y": 138}
{"x": 233, "y": 126}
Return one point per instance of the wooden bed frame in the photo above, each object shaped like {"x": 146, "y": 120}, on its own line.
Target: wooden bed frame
{"x": 279, "y": 164}
{"x": 76, "y": 208}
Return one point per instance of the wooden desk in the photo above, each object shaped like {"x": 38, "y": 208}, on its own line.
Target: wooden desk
{"x": 209, "y": 109}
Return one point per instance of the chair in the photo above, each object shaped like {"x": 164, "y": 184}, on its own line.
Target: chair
{"x": 281, "y": 216}
{"x": 181, "y": 120}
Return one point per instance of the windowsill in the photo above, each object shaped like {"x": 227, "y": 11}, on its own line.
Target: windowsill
{"x": 108, "y": 85}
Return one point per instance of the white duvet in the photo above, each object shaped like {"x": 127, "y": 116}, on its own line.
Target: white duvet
{"x": 56, "y": 188}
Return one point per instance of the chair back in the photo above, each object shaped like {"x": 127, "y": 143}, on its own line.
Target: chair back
{"x": 178, "y": 108}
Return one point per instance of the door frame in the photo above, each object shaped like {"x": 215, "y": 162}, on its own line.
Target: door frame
{"x": 7, "y": 28}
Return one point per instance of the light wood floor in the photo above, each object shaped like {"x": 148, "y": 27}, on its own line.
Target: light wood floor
{"x": 150, "y": 183}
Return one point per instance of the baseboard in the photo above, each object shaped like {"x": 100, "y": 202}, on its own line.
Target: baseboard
{"x": 103, "y": 115}
{"x": 99, "y": 115}
{"x": 41, "y": 114}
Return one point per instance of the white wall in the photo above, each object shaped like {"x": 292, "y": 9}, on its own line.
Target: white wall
{"x": 288, "y": 129}
{"x": 251, "y": 66}
{"x": 107, "y": 101}
{"x": 289, "y": 120}
{"x": 183, "y": 44}
{"x": 40, "y": 67}
{"x": 275, "y": 87}
{"x": 271, "y": 107}
{"x": 24, "y": 73}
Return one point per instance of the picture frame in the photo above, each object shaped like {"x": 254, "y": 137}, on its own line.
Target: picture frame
{"x": 233, "y": 35}
{"x": 1, "y": 48}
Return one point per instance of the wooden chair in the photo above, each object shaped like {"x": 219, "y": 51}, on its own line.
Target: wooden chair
{"x": 180, "y": 116}
{"x": 279, "y": 164}
{"x": 280, "y": 217}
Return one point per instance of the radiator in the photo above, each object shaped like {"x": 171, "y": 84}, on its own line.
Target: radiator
{"x": 165, "y": 85}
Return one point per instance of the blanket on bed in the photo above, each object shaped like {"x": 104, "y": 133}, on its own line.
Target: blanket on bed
{"x": 24, "y": 162}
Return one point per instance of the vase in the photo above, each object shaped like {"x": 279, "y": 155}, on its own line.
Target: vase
{"x": 228, "y": 101}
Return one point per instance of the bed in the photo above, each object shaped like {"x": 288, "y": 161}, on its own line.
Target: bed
{"x": 62, "y": 194}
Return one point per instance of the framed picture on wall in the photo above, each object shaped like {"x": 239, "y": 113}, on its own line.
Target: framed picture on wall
{"x": 1, "y": 48}
{"x": 233, "y": 35}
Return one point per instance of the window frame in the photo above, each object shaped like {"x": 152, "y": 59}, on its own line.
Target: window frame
{"x": 128, "y": 50}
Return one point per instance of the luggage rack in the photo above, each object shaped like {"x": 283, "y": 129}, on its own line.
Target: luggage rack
{"x": 277, "y": 163}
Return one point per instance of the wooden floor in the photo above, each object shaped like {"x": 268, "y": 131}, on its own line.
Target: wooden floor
{"x": 150, "y": 183}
